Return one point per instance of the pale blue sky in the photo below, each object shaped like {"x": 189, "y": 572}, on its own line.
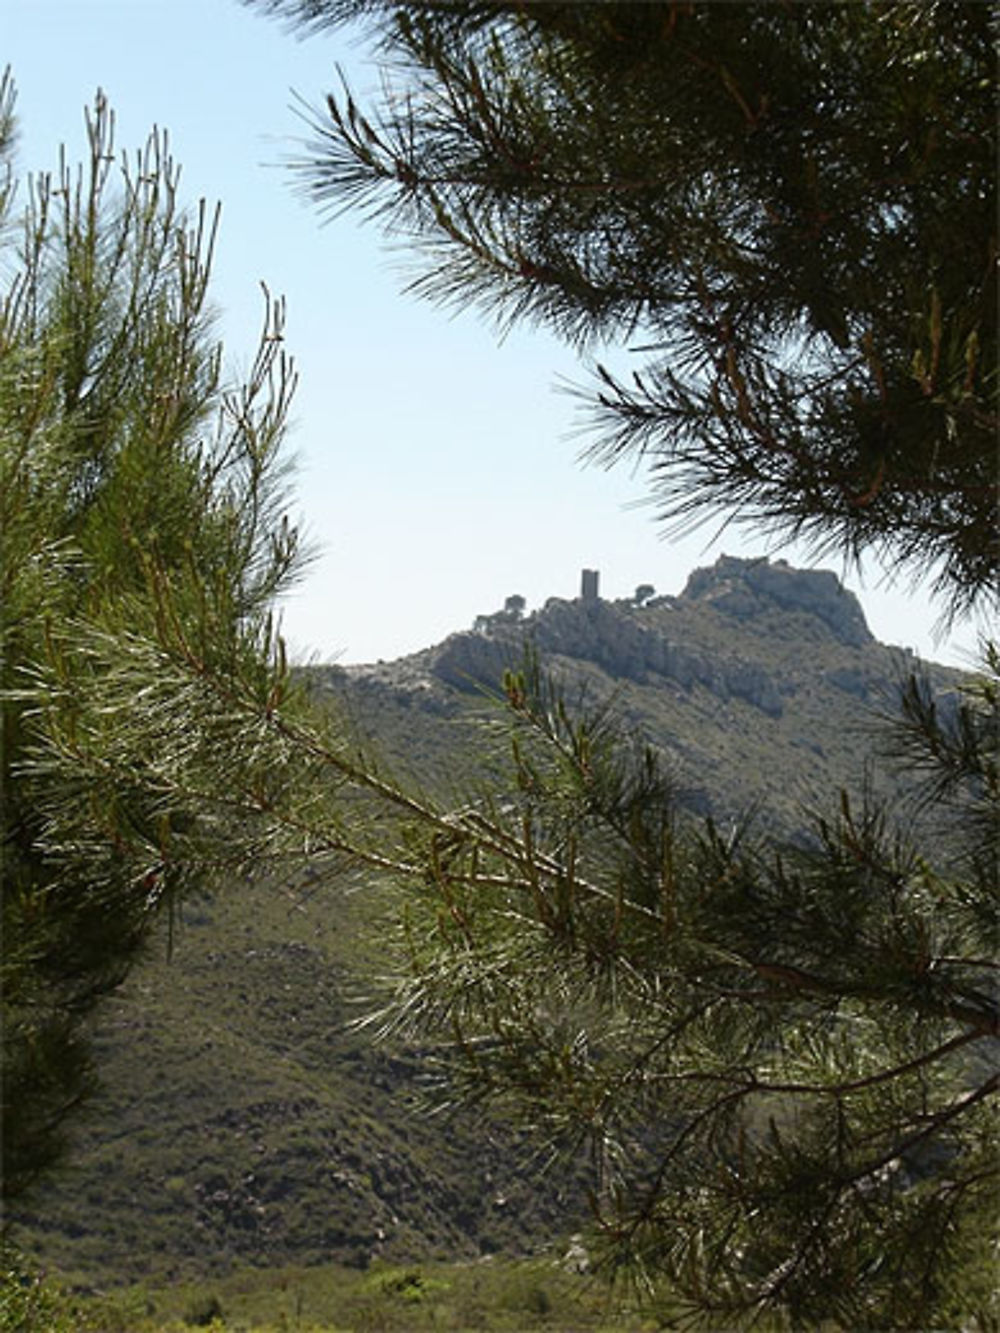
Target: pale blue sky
{"x": 437, "y": 468}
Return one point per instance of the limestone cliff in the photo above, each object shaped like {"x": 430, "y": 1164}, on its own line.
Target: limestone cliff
{"x": 745, "y": 588}
{"x": 611, "y": 637}
{"x": 639, "y": 643}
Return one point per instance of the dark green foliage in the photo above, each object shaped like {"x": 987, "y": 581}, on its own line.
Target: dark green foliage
{"x": 140, "y": 523}
{"x": 203, "y": 1311}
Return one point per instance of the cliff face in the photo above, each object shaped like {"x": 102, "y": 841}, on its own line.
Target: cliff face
{"x": 640, "y": 643}
{"x": 747, "y": 588}
{"x": 612, "y": 638}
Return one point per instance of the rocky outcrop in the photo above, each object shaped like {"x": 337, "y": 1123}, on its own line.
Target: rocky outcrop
{"x": 639, "y": 643}
{"x": 468, "y": 661}
{"x": 611, "y": 638}
{"x": 744, "y": 588}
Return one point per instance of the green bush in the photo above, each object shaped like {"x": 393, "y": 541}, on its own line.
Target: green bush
{"x": 203, "y": 1311}
{"x": 405, "y": 1286}
{"x": 28, "y": 1304}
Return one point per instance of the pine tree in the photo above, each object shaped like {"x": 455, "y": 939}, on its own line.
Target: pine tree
{"x": 782, "y": 1060}
{"x": 143, "y": 545}
{"x": 155, "y": 741}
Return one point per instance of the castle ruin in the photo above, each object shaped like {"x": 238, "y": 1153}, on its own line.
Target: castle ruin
{"x": 588, "y": 585}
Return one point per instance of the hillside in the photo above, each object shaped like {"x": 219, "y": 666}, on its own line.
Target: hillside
{"x": 241, "y": 1120}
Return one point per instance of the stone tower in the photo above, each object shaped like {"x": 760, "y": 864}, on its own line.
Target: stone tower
{"x": 588, "y": 585}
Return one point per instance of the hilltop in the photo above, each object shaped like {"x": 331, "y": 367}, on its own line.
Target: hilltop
{"x": 761, "y": 683}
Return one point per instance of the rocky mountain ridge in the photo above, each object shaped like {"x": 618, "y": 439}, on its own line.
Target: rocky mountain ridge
{"x": 763, "y": 682}
{"x": 743, "y": 588}
{"x": 636, "y": 640}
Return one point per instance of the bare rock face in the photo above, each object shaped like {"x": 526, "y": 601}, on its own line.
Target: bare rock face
{"x": 611, "y": 638}
{"x": 744, "y": 588}
{"x": 651, "y": 643}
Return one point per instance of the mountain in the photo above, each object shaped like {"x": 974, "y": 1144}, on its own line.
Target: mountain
{"x": 242, "y": 1121}
{"x": 762, "y": 684}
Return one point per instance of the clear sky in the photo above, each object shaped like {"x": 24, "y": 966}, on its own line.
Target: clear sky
{"x": 438, "y": 468}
